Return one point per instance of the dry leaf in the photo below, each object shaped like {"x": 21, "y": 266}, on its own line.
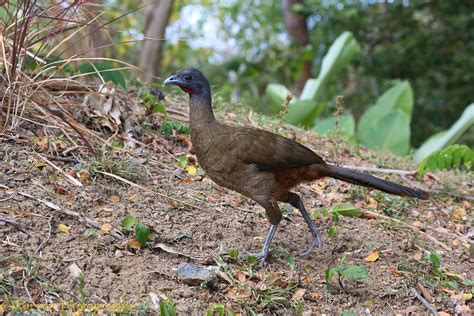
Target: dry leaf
{"x": 104, "y": 207}
{"x": 240, "y": 276}
{"x": 134, "y": 244}
{"x": 459, "y": 213}
{"x": 191, "y": 170}
{"x": 106, "y": 227}
{"x": 63, "y": 228}
{"x": 374, "y": 256}
{"x": 75, "y": 271}
{"x": 417, "y": 224}
{"x": 418, "y": 256}
{"x": 115, "y": 198}
{"x": 298, "y": 295}
{"x": 424, "y": 291}
{"x": 224, "y": 276}
{"x": 372, "y": 203}
{"x": 236, "y": 294}
{"x": 132, "y": 197}
{"x": 444, "y": 314}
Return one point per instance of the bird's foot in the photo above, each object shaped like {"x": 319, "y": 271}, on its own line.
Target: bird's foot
{"x": 262, "y": 258}
{"x": 316, "y": 238}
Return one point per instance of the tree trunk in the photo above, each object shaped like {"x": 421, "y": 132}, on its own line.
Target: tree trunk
{"x": 156, "y": 19}
{"x": 298, "y": 32}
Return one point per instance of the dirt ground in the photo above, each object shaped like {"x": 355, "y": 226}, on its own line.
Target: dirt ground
{"x": 49, "y": 257}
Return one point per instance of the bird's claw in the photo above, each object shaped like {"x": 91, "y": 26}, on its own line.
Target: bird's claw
{"x": 315, "y": 240}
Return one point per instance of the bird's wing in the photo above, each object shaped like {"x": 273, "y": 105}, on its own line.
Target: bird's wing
{"x": 270, "y": 151}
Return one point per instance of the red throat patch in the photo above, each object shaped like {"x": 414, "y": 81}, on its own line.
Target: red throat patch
{"x": 186, "y": 89}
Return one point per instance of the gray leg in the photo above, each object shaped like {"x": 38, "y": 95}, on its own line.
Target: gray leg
{"x": 294, "y": 200}
{"x": 262, "y": 256}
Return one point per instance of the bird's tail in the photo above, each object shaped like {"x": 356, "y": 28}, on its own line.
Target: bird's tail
{"x": 367, "y": 180}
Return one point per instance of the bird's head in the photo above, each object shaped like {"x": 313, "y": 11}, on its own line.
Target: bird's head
{"x": 191, "y": 81}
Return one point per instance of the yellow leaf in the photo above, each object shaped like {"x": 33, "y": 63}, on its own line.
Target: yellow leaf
{"x": 106, "y": 227}
{"x": 459, "y": 213}
{"x": 372, "y": 203}
{"x": 63, "y": 228}
{"x": 374, "y": 256}
{"x": 465, "y": 297}
{"x": 132, "y": 197}
{"x": 134, "y": 244}
{"x": 115, "y": 198}
{"x": 191, "y": 170}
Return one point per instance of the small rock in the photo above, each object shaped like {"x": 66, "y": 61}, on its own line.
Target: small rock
{"x": 75, "y": 271}
{"x": 194, "y": 276}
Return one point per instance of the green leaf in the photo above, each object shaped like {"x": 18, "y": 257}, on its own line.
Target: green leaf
{"x": 106, "y": 71}
{"x": 390, "y": 132}
{"x": 233, "y": 253}
{"x": 435, "y": 259}
{"x": 251, "y": 260}
{"x": 345, "y": 210}
{"x": 348, "y": 314}
{"x": 275, "y": 96}
{"x": 142, "y": 232}
{"x": 328, "y": 126}
{"x": 332, "y": 231}
{"x": 303, "y": 112}
{"x": 167, "y": 308}
{"x": 453, "y": 156}
{"x": 329, "y": 274}
{"x": 128, "y": 222}
{"x": 341, "y": 52}
{"x": 353, "y": 272}
{"x": 445, "y": 138}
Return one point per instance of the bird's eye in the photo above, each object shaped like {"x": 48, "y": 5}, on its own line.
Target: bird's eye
{"x": 188, "y": 77}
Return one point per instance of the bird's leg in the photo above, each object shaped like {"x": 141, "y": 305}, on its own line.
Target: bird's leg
{"x": 262, "y": 256}
{"x": 295, "y": 201}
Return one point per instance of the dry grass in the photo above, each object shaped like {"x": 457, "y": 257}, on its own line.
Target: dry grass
{"x": 38, "y": 48}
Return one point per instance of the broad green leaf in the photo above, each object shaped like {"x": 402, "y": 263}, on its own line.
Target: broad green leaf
{"x": 328, "y": 126}
{"x": 346, "y": 210}
{"x": 329, "y": 274}
{"x": 341, "y": 52}
{"x": 275, "y": 95}
{"x": 303, "y": 112}
{"x": 353, "y": 272}
{"x": 442, "y": 139}
{"x": 390, "y": 132}
{"x": 106, "y": 71}
{"x": 397, "y": 98}
{"x": 142, "y": 232}
{"x": 128, "y": 222}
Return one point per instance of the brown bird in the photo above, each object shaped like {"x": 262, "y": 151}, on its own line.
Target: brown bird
{"x": 261, "y": 165}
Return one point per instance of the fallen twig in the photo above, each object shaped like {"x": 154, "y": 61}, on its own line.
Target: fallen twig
{"x": 150, "y": 190}
{"x": 436, "y": 241}
{"x": 424, "y": 302}
{"x": 69, "y": 177}
{"x": 40, "y": 247}
{"x": 382, "y": 170}
{"x": 14, "y": 224}
{"x": 89, "y": 222}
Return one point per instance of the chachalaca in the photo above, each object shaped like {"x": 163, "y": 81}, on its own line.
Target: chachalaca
{"x": 261, "y": 165}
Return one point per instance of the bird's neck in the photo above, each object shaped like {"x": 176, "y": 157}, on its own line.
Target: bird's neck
{"x": 200, "y": 109}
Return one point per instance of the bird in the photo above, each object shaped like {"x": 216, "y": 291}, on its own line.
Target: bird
{"x": 261, "y": 165}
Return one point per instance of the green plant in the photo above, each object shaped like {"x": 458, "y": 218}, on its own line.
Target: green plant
{"x": 352, "y": 272}
{"x": 219, "y": 309}
{"x": 306, "y": 109}
{"x": 233, "y": 253}
{"x": 442, "y": 139}
{"x": 167, "y": 308}
{"x": 141, "y": 231}
{"x": 150, "y": 100}
{"x": 168, "y": 127}
{"x": 81, "y": 288}
{"x": 386, "y": 125}
{"x": 108, "y": 161}
{"x": 453, "y": 156}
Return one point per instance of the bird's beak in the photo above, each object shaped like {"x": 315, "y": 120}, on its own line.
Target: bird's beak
{"x": 171, "y": 80}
